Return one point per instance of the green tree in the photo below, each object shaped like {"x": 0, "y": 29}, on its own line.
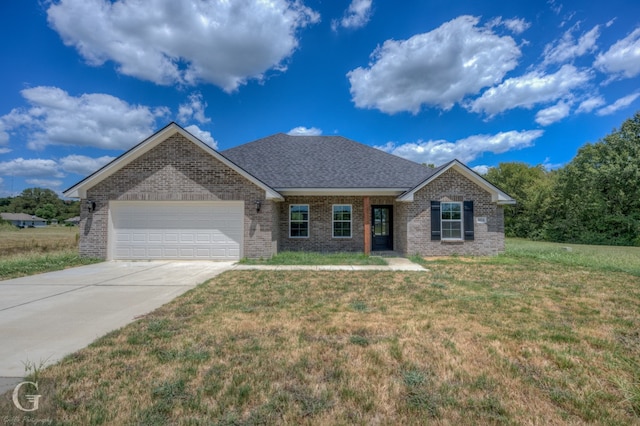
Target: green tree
{"x": 531, "y": 187}
{"x": 598, "y": 193}
{"x": 47, "y": 211}
{"x": 41, "y": 202}
{"x": 33, "y": 198}
{"x": 4, "y": 204}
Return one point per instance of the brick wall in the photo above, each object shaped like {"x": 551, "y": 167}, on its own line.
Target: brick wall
{"x": 452, "y": 186}
{"x": 177, "y": 170}
{"x": 321, "y": 226}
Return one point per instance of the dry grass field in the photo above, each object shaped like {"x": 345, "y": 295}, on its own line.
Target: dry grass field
{"x": 14, "y": 241}
{"x": 34, "y": 250}
{"x": 506, "y": 340}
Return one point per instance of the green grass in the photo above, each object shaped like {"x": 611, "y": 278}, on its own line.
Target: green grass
{"x": 36, "y": 263}
{"x": 36, "y": 250}
{"x": 603, "y": 258}
{"x": 311, "y": 258}
{"x": 512, "y": 339}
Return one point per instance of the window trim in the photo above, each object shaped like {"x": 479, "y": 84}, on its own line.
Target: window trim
{"x": 460, "y": 221}
{"x": 333, "y": 221}
{"x": 300, "y": 221}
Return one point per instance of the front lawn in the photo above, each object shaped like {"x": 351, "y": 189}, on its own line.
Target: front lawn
{"x": 311, "y": 258}
{"x": 605, "y": 258}
{"x": 511, "y": 340}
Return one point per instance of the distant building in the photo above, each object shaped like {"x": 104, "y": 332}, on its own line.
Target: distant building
{"x": 23, "y": 220}
{"x": 72, "y": 220}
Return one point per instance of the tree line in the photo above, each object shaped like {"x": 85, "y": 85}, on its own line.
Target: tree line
{"x": 40, "y": 202}
{"x": 594, "y": 199}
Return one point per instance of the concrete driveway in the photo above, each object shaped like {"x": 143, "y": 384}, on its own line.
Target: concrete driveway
{"x": 45, "y": 317}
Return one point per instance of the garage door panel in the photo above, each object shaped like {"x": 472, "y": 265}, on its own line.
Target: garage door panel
{"x": 137, "y": 252}
{"x": 203, "y": 238}
{"x": 171, "y": 237}
{"x": 155, "y": 252}
{"x": 176, "y": 230}
{"x": 170, "y": 252}
{"x": 139, "y": 237}
{"x": 120, "y": 237}
{"x": 155, "y": 237}
{"x": 187, "y": 252}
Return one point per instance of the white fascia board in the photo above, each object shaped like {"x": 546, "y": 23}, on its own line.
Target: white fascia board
{"x": 79, "y": 190}
{"x": 316, "y": 192}
{"x": 497, "y": 196}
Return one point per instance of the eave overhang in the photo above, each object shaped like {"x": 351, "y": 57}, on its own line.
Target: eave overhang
{"x": 497, "y": 196}
{"x": 317, "y": 192}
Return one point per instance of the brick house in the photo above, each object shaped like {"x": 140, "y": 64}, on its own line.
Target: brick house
{"x": 174, "y": 197}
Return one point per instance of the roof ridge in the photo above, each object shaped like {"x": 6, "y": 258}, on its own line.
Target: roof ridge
{"x": 324, "y": 161}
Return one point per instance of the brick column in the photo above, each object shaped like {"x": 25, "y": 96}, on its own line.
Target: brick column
{"x": 367, "y": 225}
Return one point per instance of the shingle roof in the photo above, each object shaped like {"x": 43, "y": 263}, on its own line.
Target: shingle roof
{"x": 283, "y": 161}
{"x": 20, "y": 216}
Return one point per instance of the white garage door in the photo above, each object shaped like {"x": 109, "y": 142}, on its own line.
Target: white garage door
{"x": 176, "y": 230}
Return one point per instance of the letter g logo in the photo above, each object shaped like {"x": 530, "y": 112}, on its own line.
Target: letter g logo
{"x": 31, "y": 398}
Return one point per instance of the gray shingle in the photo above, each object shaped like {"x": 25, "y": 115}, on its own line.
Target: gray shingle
{"x": 284, "y": 161}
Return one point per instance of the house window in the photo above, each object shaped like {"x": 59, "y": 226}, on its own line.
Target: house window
{"x": 451, "y": 220}
{"x": 342, "y": 221}
{"x": 299, "y": 220}
{"x": 448, "y": 221}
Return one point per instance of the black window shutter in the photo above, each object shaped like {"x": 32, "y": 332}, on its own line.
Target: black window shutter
{"x": 435, "y": 220}
{"x": 468, "y": 221}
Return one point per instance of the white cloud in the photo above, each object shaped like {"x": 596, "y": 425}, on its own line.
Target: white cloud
{"x": 518, "y": 26}
{"x": 45, "y": 183}
{"x": 530, "y": 89}
{"x": 619, "y": 104}
{"x": 82, "y": 164}
{"x": 548, "y": 165}
{"x": 96, "y": 119}
{"x": 304, "y": 131}
{"x": 555, "y": 7}
{"x": 466, "y": 150}
{"x": 32, "y": 168}
{"x": 184, "y": 42}
{"x": 5, "y": 150}
{"x": 481, "y": 170}
{"x": 590, "y": 104}
{"x": 515, "y": 25}
{"x": 356, "y": 16}
{"x": 4, "y": 136}
{"x": 566, "y": 19}
{"x": 554, "y": 113}
{"x": 567, "y": 48}
{"x": 438, "y": 68}
{"x": 623, "y": 58}
{"x": 193, "y": 109}
{"x": 203, "y": 135}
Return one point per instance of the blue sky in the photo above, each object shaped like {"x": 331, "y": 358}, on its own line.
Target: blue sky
{"x": 485, "y": 82}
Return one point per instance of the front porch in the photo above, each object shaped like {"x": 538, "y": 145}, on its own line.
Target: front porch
{"x": 340, "y": 224}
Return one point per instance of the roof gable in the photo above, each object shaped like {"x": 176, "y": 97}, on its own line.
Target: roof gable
{"x": 330, "y": 162}
{"x": 79, "y": 190}
{"x": 497, "y": 195}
